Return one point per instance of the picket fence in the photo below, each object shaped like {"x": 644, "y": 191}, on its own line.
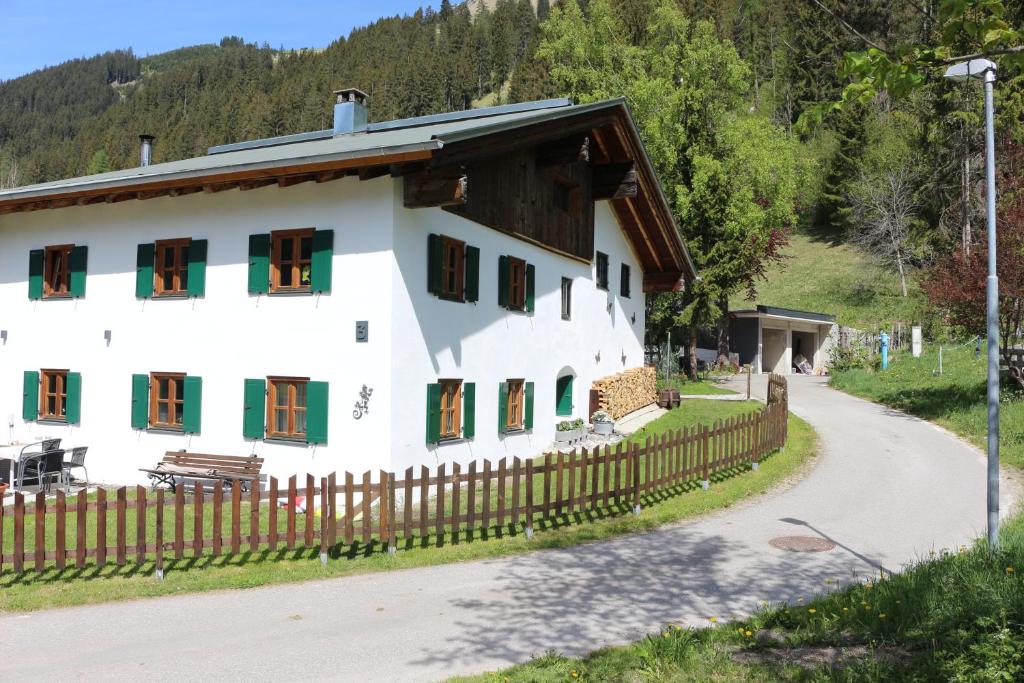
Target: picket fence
{"x": 485, "y": 501}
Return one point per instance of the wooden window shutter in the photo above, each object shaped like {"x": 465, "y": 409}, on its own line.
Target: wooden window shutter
{"x": 259, "y": 264}
{"x": 433, "y": 413}
{"x": 528, "y": 405}
{"x": 192, "y": 412}
{"x": 140, "y": 401}
{"x": 321, "y": 262}
{"x": 435, "y": 261}
{"x": 502, "y": 407}
{"x": 468, "y": 410}
{"x": 530, "y": 276}
{"x": 503, "y": 275}
{"x": 255, "y": 408}
{"x": 30, "y": 396}
{"x": 144, "y": 270}
{"x": 472, "y": 289}
{"x": 316, "y": 412}
{"x": 73, "y": 402}
{"x": 196, "y": 268}
{"x": 77, "y": 262}
{"x": 35, "y": 274}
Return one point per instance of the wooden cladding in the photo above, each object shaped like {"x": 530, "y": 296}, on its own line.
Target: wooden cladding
{"x": 425, "y": 189}
{"x": 614, "y": 181}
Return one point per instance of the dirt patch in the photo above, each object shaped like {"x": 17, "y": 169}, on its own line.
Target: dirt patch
{"x": 835, "y": 656}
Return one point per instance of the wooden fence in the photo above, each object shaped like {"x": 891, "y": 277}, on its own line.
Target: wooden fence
{"x": 454, "y": 504}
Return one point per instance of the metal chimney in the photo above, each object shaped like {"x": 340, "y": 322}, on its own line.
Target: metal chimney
{"x": 350, "y": 112}
{"x": 146, "y": 155}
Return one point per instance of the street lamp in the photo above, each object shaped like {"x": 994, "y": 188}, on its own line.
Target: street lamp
{"x": 986, "y": 71}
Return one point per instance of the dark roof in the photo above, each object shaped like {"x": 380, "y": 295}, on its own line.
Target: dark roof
{"x": 788, "y": 313}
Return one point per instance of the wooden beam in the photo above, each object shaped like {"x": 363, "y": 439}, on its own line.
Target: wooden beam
{"x": 181, "y": 191}
{"x": 371, "y": 172}
{"x": 288, "y": 181}
{"x": 433, "y": 189}
{"x": 663, "y": 282}
{"x": 328, "y": 176}
{"x": 568, "y": 150}
{"x": 255, "y": 184}
{"x": 614, "y": 181}
{"x": 218, "y": 187}
{"x": 61, "y": 203}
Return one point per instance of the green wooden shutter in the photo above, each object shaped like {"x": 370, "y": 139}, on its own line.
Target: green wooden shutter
{"x": 140, "y": 401}
{"x": 563, "y": 398}
{"x": 79, "y": 257}
{"x": 316, "y": 412}
{"x": 73, "y": 401}
{"x": 433, "y": 413}
{"x": 35, "y": 274}
{"x": 144, "y": 256}
{"x": 255, "y": 408}
{"x": 30, "y": 396}
{"x": 435, "y": 261}
{"x": 503, "y": 275}
{"x": 468, "y": 410}
{"x": 320, "y": 265}
{"x": 472, "y": 289}
{"x": 192, "y": 417}
{"x": 196, "y": 268}
{"x": 528, "y": 405}
{"x": 502, "y": 407}
{"x": 529, "y": 287}
{"x": 259, "y": 264}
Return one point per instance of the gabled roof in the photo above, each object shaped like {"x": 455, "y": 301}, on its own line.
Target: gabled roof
{"x": 386, "y": 147}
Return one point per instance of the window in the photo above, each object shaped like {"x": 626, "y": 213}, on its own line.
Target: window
{"x": 452, "y": 268}
{"x": 54, "y": 394}
{"x": 515, "y": 405}
{"x": 166, "y": 400}
{"x": 286, "y": 408}
{"x": 516, "y": 283}
{"x": 451, "y": 408}
{"x": 291, "y": 260}
{"x": 624, "y": 284}
{"x": 602, "y": 270}
{"x": 171, "y": 271}
{"x": 514, "y": 411}
{"x": 566, "y": 298}
{"x": 57, "y": 271}
{"x": 567, "y": 196}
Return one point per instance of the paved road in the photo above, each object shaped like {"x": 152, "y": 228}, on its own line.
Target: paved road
{"x": 887, "y": 489}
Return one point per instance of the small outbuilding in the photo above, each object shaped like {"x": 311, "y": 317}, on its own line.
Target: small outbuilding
{"x": 773, "y": 339}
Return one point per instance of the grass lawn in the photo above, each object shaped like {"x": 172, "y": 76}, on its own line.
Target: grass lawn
{"x": 53, "y": 588}
{"x": 699, "y": 388}
{"x": 956, "y": 400}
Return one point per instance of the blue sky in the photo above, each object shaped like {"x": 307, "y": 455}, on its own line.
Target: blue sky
{"x": 39, "y": 33}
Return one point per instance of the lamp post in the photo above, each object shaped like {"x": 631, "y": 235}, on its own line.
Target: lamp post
{"x": 986, "y": 71}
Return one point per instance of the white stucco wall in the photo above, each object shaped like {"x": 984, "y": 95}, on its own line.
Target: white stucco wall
{"x": 225, "y": 337}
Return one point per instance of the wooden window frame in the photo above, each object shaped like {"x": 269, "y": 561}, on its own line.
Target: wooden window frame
{"x": 601, "y": 270}
{"x": 625, "y": 273}
{"x": 291, "y": 408}
{"x": 175, "y": 400}
{"x": 451, "y": 406}
{"x": 277, "y": 238}
{"x": 515, "y": 405}
{"x": 516, "y": 283}
{"x": 60, "y": 395}
{"x": 178, "y": 269}
{"x": 566, "y": 298}
{"x": 63, "y": 289}
{"x": 458, "y": 271}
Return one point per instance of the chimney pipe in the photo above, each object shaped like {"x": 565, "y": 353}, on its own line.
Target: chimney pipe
{"x": 146, "y": 155}
{"x": 350, "y": 112}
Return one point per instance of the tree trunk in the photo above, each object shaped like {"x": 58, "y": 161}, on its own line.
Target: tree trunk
{"x": 723, "y": 331}
{"x": 965, "y": 189}
{"x": 903, "y": 275}
{"x": 691, "y": 371}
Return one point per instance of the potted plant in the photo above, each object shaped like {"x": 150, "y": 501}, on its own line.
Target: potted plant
{"x": 568, "y": 431}
{"x": 603, "y": 423}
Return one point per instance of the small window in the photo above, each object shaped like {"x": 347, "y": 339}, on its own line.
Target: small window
{"x": 171, "y": 267}
{"x": 286, "y": 407}
{"x": 452, "y": 268}
{"x": 566, "y": 298}
{"x": 516, "y": 283}
{"x": 53, "y": 398}
{"x": 451, "y": 408}
{"x": 166, "y": 400}
{"x": 291, "y": 260}
{"x": 514, "y": 406}
{"x": 567, "y": 196}
{"x": 602, "y": 270}
{"x": 624, "y": 285}
{"x": 57, "y": 271}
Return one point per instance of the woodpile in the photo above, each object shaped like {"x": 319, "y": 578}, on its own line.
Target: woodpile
{"x": 630, "y": 390}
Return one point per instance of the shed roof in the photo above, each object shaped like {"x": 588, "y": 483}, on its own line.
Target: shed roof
{"x": 786, "y": 313}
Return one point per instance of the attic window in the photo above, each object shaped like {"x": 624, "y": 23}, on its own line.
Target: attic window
{"x": 567, "y": 196}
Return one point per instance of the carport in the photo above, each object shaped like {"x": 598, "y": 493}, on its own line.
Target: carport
{"x": 769, "y": 338}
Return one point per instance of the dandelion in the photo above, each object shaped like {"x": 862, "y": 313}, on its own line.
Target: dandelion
{"x": 828, "y": 581}
{"x": 869, "y": 585}
{"x": 812, "y": 610}
{"x": 1009, "y": 570}
{"x": 881, "y": 615}
{"x": 846, "y": 609}
{"x": 712, "y": 619}
{"x": 867, "y": 607}
{"x": 749, "y": 633}
{"x": 575, "y": 673}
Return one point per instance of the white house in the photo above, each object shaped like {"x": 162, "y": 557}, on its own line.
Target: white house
{"x": 373, "y": 296}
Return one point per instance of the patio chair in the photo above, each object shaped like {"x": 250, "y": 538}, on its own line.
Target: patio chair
{"x": 43, "y": 467}
{"x": 49, "y": 444}
{"x": 77, "y": 460}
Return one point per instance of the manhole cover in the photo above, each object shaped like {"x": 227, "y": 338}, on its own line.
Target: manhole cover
{"x": 802, "y": 544}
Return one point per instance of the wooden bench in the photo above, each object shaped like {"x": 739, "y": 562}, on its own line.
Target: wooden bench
{"x": 181, "y": 465}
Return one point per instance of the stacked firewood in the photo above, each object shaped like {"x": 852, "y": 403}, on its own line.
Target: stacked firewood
{"x": 621, "y": 394}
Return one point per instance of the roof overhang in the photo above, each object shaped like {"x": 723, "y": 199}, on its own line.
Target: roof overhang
{"x": 789, "y": 314}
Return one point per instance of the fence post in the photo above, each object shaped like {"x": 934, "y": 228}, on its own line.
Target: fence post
{"x": 529, "y": 498}
{"x": 704, "y": 455}
{"x": 635, "y": 474}
{"x": 392, "y": 510}
{"x": 326, "y": 513}
{"x": 159, "y": 561}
